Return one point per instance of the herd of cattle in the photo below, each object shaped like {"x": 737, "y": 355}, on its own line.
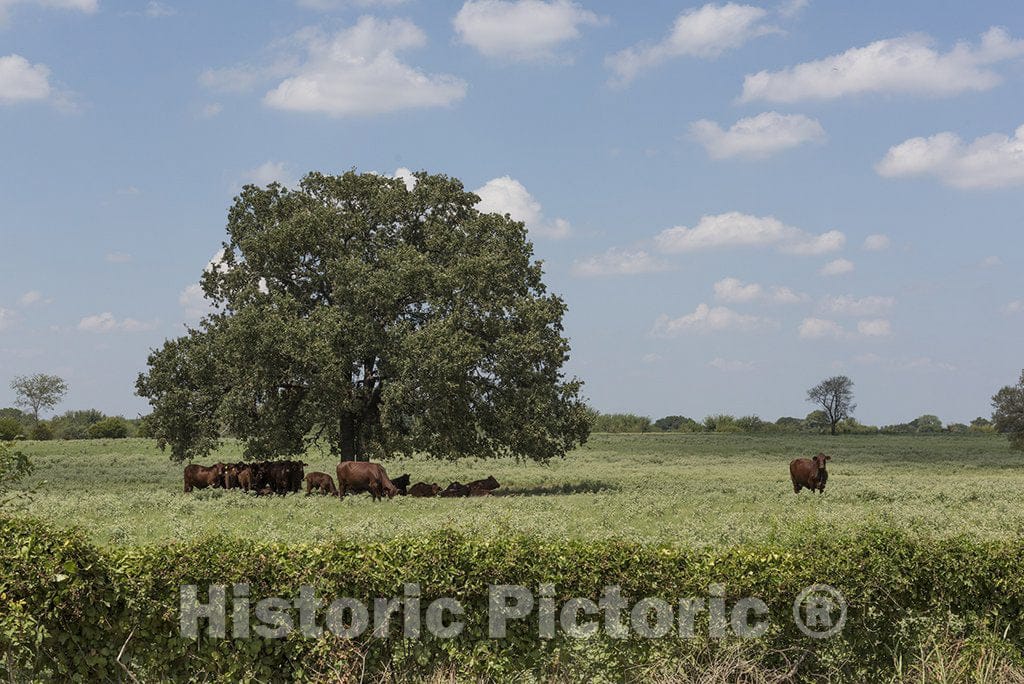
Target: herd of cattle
{"x": 283, "y": 477}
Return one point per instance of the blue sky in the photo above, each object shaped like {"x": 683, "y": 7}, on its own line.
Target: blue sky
{"x": 736, "y": 199}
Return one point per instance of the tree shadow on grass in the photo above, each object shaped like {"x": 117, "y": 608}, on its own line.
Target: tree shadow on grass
{"x": 583, "y": 487}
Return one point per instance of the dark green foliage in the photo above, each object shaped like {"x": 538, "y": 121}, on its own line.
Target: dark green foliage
{"x": 11, "y": 429}
{"x": 377, "y": 320}
{"x": 41, "y": 431}
{"x": 71, "y": 607}
{"x": 721, "y": 422}
{"x": 75, "y": 424}
{"x": 1009, "y": 413}
{"x": 14, "y": 467}
{"x": 109, "y": 428}
{"x": 620, "y": 422}
{"x": 677, "y": 424}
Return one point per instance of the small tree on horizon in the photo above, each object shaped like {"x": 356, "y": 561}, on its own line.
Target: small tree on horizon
{"x": 835, "y": 397}
{"x": 38, "y": 392}
{"x": 1009, "y": 413}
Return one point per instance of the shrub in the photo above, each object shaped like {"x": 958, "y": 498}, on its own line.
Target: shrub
{"x": 677, "y": 424}
{"x": 721, "y": 422}
{"x": 41, "y": 431}
{"x": 75, "y": 424}
{"x": 621, "y": 422}
{"x": 10, "y": 429}
{"x": 109, "y": 428}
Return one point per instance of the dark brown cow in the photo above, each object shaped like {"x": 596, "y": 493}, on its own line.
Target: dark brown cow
{"x": 455, "y": 489}
{"x": 809, "y": 473}
{"x": 361, "y": 476}
{"x": 483, "y": 487}
{"x": 320, "y": 482}
{"x": 402, "y": 483}
{"x": 231, "y": 472}
{"x": 423, "y": 489}
{"x": 201, "y": 477}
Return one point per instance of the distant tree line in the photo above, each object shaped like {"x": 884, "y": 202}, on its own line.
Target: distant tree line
{"x": 86, "y": 424}
{"x": 816, "y": 422}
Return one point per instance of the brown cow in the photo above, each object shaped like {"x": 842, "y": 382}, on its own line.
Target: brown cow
{"x": 423, "y": 489}
{"x": 455, "y": 489}
{"x": 201, "y": 477}
{"x": 483, "y": 487}
{"x": 402, "y": 483}
{"x": 361, "y": 476}
{"x": 320, "y": 482}
{"x": 809, "y": 473}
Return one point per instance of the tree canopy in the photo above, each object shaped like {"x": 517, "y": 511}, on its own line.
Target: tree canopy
{"x": 376, "y": 318}
{"x": 38, "y": 392}
{"x": 1009, "y": 412}
{"x": 835, "y": 397}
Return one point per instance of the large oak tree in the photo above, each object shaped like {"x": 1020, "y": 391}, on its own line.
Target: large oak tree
{"x": 377, "y": 319}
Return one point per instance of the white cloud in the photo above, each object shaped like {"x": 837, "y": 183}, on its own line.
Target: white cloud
{"x": 331, "y": 5}
{"x": 406, "y": 176}
{"x": 991, "y": 161}
{"x": 87, "y": 6}
{"x": 106, "y": 323}
{"x": 908, "y": 64}
{"x": 708, "y": 319}
{"x": 734, "y": 229}
{"x": 704, "y": 32}
{"x": 208, "y": 111}
{"x": 353, "y": 72}
{"x": 877, "y": 243}
{"x": 118, "y": 257}
{"x": 194, "y": 302}
{"x": 651, "y": 358}
{"x": 735, "y": 291}
{"x": 33, "y": 297}
{"x": 522, "y": 30}
{"x": 820, "y": 328}
{"x": 617, "y": 261}
{"x": 878, "y": 327}
{"x": 21, "y": 81}
{"x": 846, "y": 305}
{"x": 7, "y": 318}
{"x": 506, "y": 195}
{"x": 158, "y": 10}
{"x": 791, "y": 8}
{"x": 991, "y": 262}
{"x": 758, "y": 136}
{"x": 837, "y": 267}
{"x": 731, "y": 366}
{"x": 922, "y": 363}
{"x": 270, "y": 172}
{"x": 1014, "y": 307}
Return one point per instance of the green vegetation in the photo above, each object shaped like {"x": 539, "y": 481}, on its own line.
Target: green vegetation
{"x": 695, "y": 490}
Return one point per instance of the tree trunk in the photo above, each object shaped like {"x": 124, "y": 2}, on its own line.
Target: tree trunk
{"x": 347, "y": 425}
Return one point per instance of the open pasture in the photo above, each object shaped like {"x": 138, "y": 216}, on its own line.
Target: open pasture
{"x": 696, "y": 490}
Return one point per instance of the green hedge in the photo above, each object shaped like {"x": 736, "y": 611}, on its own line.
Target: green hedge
{"x": 69, "y": 607}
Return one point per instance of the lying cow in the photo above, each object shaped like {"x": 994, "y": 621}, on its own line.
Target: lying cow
{"x": 809, "y": 473}
{"x": 483, "y": 487}
{"x": 201, "y": 477}
{"x": 360, "y": 476}
{"x": 422, "y": 489}
{"x": 455, "y": 489}
{"x": 320, "y": 482}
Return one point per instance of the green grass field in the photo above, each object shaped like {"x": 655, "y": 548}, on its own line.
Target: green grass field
{"x": 669, "y": 488}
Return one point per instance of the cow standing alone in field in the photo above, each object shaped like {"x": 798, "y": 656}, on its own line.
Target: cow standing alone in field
{"x": 809, "y": 473}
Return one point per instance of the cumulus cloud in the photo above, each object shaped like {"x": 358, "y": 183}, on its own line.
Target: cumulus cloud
{"x": 837, "y": 268}
{"x": 521, "y": 30}
{"x": 33, "y": 297}
{"x": 846, "y": 305}
{"x": 991, "y": 262}
{"x": 107, "y": 323}
{"x": 732, "y": 366}
{"x": 820, "y": 328}
{"x": 878, "y": 327}
{"x": 270, "y": 172}
{"x": 353, "y": 72}
{"x": 908, "y": 64}
{"x": 735, "y": 291}
{"x": 921, "y": 363}
{"x": 991, "y": 161}
{"x": 877, "y": 243}
{"x": 506, "y": 195}
{"x": 117, "y": 258}
{"x": 406, "y": 176}
{"x": 331, "y": 5}
{"x": 7, "y": 318}
{"x": 705, "y": 32}
{"x": 758, "y": 136}
{"x": 618, "y": 262}
{"x": 193, "y": 300}
{"x": 1014, "y": 307}
{"x": 706, "y": 319}
{"x": 734, "y": 229}
{"x": 22, "y": 81}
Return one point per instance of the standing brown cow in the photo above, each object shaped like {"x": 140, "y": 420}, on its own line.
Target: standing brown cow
{"x": 201, "y": 477}
{"x": 360, "y": 476}
{"x": 809, "y": 473}
{"x": 320, "y": 482}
